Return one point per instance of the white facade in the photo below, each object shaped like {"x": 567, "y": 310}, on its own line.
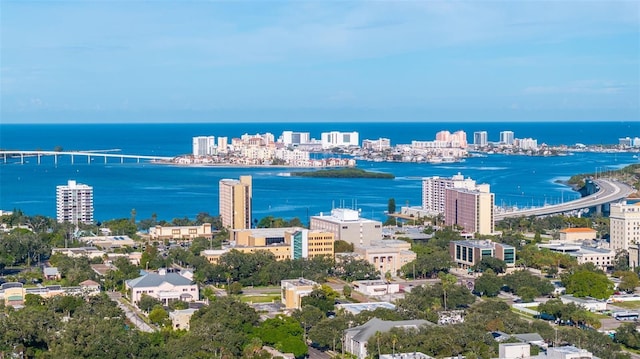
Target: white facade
{"x": 291, "y": 138}
{"x": 166, "y": 287}
{"x": 339, "y": 139}
{"x": 507, "y": 137}
{"x": 223, "y": 143}
{"x": 74, "y": 203}
{"x": 480, "y": 138}
{"x": 375, "y": 287}
{"x": 204, "y": 146}
{"x": 434, "y": 188}
{"x": 377, "y": 145}
{"x": 625, "y": 229}
{"x": 347, "y": 225}
{"x": 527, "y": 143}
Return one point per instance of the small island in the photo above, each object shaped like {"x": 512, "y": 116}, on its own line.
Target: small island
{"x": 343, "y": 173}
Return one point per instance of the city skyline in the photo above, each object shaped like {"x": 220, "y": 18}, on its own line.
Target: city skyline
{"x": 115, "y": 62}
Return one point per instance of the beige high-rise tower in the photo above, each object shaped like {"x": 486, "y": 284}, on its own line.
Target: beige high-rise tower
{"x": 235, "y": 202}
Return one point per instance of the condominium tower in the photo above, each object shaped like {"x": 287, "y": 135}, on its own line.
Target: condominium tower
{"x": 507, "y": 138}
{"x": 433, "y": 190}
{"x": 480, "y": 138}
{"x": 470, "y": 209}
{"x": 74, "y": 203}
{"x": 235, "y": 202}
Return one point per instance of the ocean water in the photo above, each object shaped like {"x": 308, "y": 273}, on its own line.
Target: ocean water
{"x": 177, "y": 191}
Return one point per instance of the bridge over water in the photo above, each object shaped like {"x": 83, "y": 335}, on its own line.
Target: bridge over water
{"x": 608, "y": 191}
{"x": 89, "y": 154}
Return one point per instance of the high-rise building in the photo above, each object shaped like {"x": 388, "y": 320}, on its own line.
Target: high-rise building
{"x": 235, "y": 202}
{"x": 470, "y": 209}
{"x": 624, "y": 229}
{"x": 74, "y": 203}
{"x": 339, "y": 139}
{"x": 290, "y": 138}
{"x": 507, "y": 137}
{"x": 480, "y": 138}
{"x": 433, "y": 190}
{"x": 203, "y": 146}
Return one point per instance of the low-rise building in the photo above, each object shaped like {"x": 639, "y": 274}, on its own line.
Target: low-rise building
{"x": 356, "y": 338}
{"x": 357, "y": 308}
{"x": 77, "y": 252}
{"x": 577, "y": 234}
{"x": 164, "y": 286}
{"x": 602, "y": 258}
{"x": 108, "y": 241}
{"x": 468, "y": 253}
{"x": 181, "y": 233}
{"x": 588, "y": 303}
{"x": 387, "y": 255}
{"x": 293, "y": 290}
{"x": 375, "y": 287}
{"x": 51, "y": 273}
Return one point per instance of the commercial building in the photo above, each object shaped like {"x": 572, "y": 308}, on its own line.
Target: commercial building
{"x": 507, "y": 138}
{"x": 339, "y": 139}
{"x": 624, "y": 229}
{"x": 164, "y": 286}
{"x": 433, "y": 190}
{"x": 74, "y": 203}
{"x": 183, "y": 233}
{"x": 387, "y": 255}
{"x": 375, "y": 287}
{"x": 236, "y": 202}
{"x": 347, "y": 225}
{"x": 601, "y": 257}
{"x": 480, "y": 138}
{"x": 356, "y": 338}
{"x": 293, "y": 290}
{"x": 472, "y": 210}
{"x": 204, "y": 146}
{"x": 577, "y": 234}
{"x": 468, "y": 253}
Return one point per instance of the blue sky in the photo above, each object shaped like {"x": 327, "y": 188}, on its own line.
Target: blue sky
{"x": 213, "y": 61}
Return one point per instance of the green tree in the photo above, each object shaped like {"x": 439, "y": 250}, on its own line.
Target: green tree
{"x": 628, "y": 281}
{"x": 488, "y": 284}
{"x": 159, "y": 316}
{"x": 346, "y": 290}
{"x": 584, "y": 282}
{"x": 496, "y": 265}
{"x": 391, "y": 206}
{"x": 147, "y": 303}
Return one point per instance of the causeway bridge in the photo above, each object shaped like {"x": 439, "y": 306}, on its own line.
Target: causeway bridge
{"x": 5, "y": 154}
{"x": 608, "y": 191}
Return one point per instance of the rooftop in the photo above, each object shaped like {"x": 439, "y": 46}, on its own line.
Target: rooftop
{"x": 154, "y": 280}
{"x": 356, "y": 308}
{"x": 577, "y": 230}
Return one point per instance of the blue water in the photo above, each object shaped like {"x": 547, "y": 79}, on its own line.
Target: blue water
{"x": 176, "y": 192}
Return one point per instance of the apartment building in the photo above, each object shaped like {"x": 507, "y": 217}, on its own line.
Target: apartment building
{"x": 507, "y": 138}
{"x": 203, "y": 146}
{"x": 380, "y": 144}
{"x": 236, "y": 202}
{"x": 433, "y": 190}
{"x": 74, "y": 203}
{"x": 480, "y": 138}
{"x": 470, "y": 209}
{"x": 339, "y": 139}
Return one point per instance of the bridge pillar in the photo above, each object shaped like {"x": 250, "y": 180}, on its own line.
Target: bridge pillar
{"x": 89, "y": 159}
{"x": 38, "y": 158}
{"x": 71, "y": 159}
{"x": 138, "y": 159}
{"x": 55, "y": 159}
{"x": 5, "y": 158}
{"x": 21, "y": 158}
{"x": 105, "y": 159}
{"x": 121, "y": 159}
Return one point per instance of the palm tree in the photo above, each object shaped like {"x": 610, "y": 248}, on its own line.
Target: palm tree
{"x": 133, "y": 215}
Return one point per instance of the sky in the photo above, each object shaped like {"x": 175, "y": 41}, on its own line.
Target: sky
{"x": 278, "y": 61}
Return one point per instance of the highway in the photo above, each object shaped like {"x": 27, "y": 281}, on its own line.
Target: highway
{"x": 609, "y": 191}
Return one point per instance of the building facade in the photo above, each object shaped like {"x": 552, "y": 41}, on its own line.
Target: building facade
{"x": 181, "y": 232}
{"x": 347, "y": 225}
{"x": 339, "y": 139}
{"x": 507, "y": 138}
{"x": 468, "y": 253}
{"x": 387, "y": 255}
{"x": 236, "y": 202}
{"x": 470, "y": 209}
{"x": 602, "y": 258}
{"x": 577, "y": 234}
{"x": 74, "y": 203}
{"x": 293, "y": 290}
{"x": 480, "y": 138}
{"x": 164, "y": 286}
{"x": 433, "y": 190}
{"x": 203, "y": 146}
{"x": 624, "y": 229}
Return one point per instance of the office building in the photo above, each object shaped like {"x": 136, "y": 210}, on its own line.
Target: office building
{"x": 74, "y": 203}
{"x": 507, "y": 138}
{"x": 235, "y": 202}
{"x": 577, "y": 234}
{"x": 472, "y": 210}
{"x": 347, "y": 225}
{"x": 480, "y": 138}
{"x": 182, "y": 233}
{"x": 387, "y": 255}
{"x": 339, "y": 139}
{"x": 293, "y": 290}
{"x": 284, "y": 243}
{"x": 468, "y": 253}
{"x": 624, "y": 229}
{"x": 433, "y": 190}
{"x": 600, "y": 257}
{"x": 204, "y": 146}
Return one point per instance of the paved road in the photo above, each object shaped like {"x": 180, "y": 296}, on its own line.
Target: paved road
{"x": 131, "y": 315}
{"x": 609, "y": 191}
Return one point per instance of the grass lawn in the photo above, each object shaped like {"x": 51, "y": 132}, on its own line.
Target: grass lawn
{"x": 627, "y": 305}
{"x": 260, "y": 298}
